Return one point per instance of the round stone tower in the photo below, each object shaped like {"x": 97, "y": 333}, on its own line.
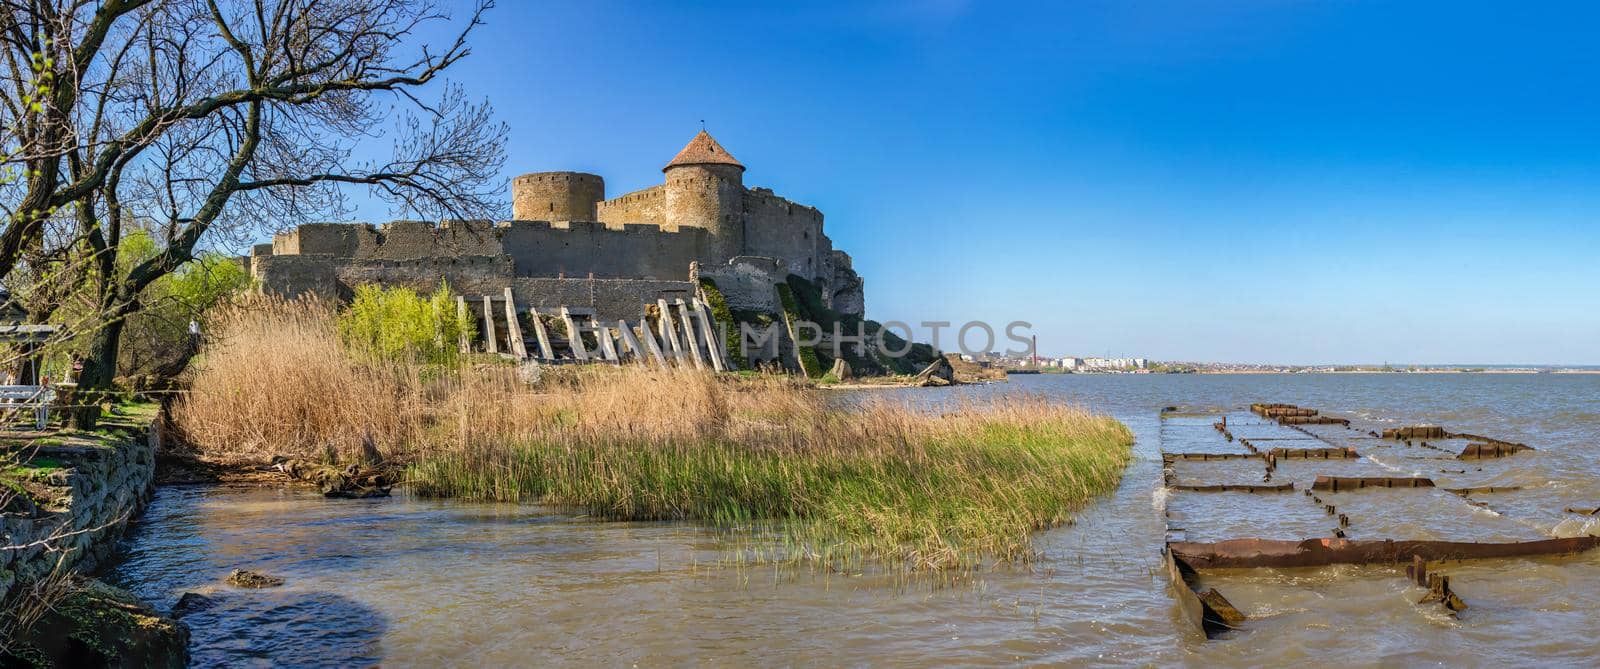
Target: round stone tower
{"x": 556, "y": 196}
{"x": 705, "y": 189}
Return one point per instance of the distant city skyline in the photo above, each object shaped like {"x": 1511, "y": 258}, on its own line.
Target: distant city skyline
{"x": 1290, "y": 183}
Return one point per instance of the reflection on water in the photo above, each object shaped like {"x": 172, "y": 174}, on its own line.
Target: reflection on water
{"x": 407, "y": 582}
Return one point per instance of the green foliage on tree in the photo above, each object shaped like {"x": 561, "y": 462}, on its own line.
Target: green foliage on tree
{"x": 157, "y": 339}
{"x": 398, "y": 324}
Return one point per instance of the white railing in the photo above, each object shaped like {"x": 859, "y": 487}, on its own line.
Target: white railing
{"x": 21, "y": 398}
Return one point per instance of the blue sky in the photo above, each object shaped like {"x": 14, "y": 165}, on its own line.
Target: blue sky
{"x": 1237, "y": 181}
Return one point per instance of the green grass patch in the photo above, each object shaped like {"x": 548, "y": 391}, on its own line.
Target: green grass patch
{"x": 918, "y": 491}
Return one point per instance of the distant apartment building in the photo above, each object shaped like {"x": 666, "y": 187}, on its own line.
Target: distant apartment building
{"x": 1101, "y": 364}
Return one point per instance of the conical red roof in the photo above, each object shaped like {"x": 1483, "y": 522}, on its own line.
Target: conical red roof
{"x": 703, "y": 150}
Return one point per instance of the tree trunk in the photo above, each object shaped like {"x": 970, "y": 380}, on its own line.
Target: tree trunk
{"x": 99, "y": 371}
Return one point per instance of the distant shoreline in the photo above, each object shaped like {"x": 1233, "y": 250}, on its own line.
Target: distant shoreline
{"x": 1418, "y": 371}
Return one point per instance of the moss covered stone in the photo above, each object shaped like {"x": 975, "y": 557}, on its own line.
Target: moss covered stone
{"x": 97, "y": 625}
{"x": 725, "y": 317}
{"x": 792, "y": 315}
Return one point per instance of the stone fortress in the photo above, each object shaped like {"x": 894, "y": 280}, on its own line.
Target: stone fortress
{"x": 568, "y": 245}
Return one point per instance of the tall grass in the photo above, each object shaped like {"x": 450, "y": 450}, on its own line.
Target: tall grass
{"x": 275, "y": 379}
{"x": 881, "y": 479}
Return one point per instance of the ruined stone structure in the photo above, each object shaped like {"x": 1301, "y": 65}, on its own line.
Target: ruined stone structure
{"x": 569, "y": 245}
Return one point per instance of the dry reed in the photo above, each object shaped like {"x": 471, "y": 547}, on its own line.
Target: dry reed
{"x": 880, "y": 479}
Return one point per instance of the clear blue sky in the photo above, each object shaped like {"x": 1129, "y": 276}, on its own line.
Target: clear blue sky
{"x": 1239, "y": 181}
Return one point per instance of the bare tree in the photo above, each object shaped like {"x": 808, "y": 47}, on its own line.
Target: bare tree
{"x": 217, "y": 120}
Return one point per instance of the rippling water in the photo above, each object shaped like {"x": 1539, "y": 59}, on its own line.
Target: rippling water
{"x": 409, "y": 582}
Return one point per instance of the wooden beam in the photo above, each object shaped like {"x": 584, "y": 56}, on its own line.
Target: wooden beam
{"x": 464, "y": 340}
{"x": 438, "y": 324}
{"x": 707, "y": 329}
{"x": 608, "y": 348}
{"x": 513, "y": 328}
{"x": 490, "y": 343}
{"x": 669, "y": 331}
{"x": 650, "y": 344}
{"x": 545, "y": 352}
{"x": 574, "y": 335}
{"x": 689, "y": 340}
{"x": 631, "y": 343}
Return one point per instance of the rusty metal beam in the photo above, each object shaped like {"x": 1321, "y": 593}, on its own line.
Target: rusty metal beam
{"x": 1330, "y": 453}
{"x": 1251, "y": 553}
{"x": 1313, "y": 420}
{"x": 1338, "y": 483}
{"x": 1483, "y": 489}
{"x": 1229, "y": 487}
{"x": 1416, "y": 432}
{"x": 1210, "y": 456}
{"x": 1490, "y": 450}
{"x": 1210, "y": 612}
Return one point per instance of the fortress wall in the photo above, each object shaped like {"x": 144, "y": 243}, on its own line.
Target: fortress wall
{"x": 612, "y": 299}
{"x": 421, "y": 240}
{"x": 749, "y": 282}
{"x": 556, "y": 196}
{"x": 343, "y": 240}
{"x": 295, "y": 275}
{"x": 779, "y": 228}
{"x": 466, "y": 276}
{"x": 846, "y": 292}
{"x": 579, "y": 247}
{"x": 641, "y": 206}
{"x": 473, "y": 277}
{"x": 709, "y": 197}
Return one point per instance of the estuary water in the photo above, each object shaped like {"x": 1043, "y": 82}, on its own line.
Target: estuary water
{"x": 414, "y": 582}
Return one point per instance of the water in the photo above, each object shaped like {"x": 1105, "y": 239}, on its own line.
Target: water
{"x": 409, "y": 582}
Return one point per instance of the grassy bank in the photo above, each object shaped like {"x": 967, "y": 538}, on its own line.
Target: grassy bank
{"x": 884, "y": 480}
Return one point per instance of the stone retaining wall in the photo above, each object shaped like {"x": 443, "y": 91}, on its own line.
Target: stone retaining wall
{"x": 105, "y": 482}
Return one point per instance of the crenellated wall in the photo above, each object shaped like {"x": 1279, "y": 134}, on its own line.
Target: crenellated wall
{"x": 641, "y": 206}
{"x": 567, "y": 230}
{"x": 577, "y": 249}
{"x": 778, "y": 228}
{"x": 557, "y": 196}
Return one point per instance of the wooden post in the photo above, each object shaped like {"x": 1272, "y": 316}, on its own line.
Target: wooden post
{"x": 689, "y": 339}
{"x": 713, "y": 347}
{"x": 490, "y": 343}
{"x": 631, "y": 343}
{"x": 545, "y": 352}
{"x": 438, "y": 325}
{"x": 464, "y": 339}
{"x": 513, "y": 328}
{"x": 608, "y": 348}
{"x": 574, "y": 336}
{"x": 650, "y": 345}
{"x": 669, "y": 331}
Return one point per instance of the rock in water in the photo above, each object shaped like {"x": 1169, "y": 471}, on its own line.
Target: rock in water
{"x": 939, "y": 373}
{"x": 841, "y": 370}
{"x": 191, "y": 602}
{"x": 245, "y": 578}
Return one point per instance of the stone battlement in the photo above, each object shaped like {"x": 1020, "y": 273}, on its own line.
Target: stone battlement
{"x": 564, "y": 228}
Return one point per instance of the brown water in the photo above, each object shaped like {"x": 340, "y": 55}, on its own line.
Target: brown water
{"x": 409, "y": 582}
